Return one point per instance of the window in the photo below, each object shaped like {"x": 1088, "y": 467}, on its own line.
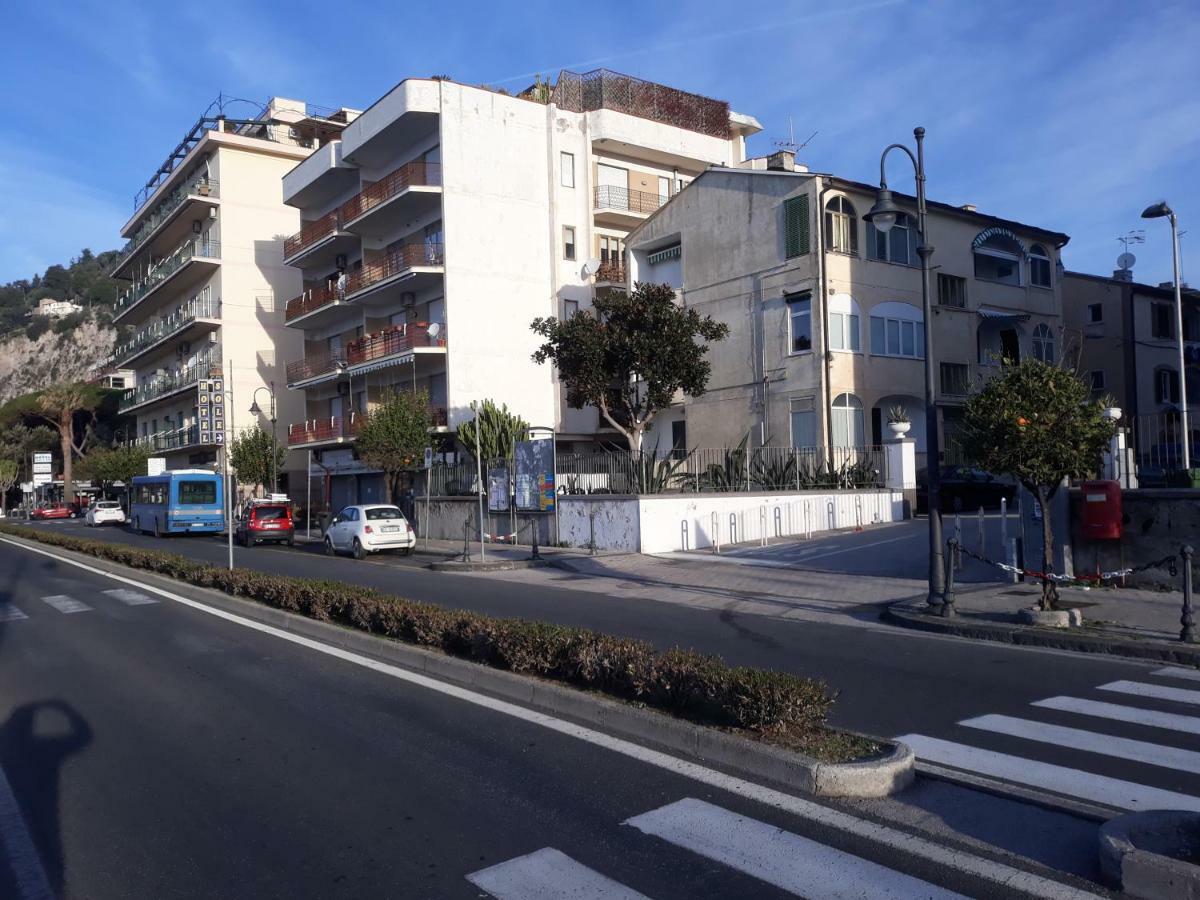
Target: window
{"x": 841, "y": 226}
{"x": 1097, "y": 379}
{"x": 847, "y": 421}
{"x": 1191, "y": 326}
{"x": 1043, "y": 344}
{"x": 197, "y": 492}
{"x": 897, "y": 329}
{"x": 1095, "y": 312}
{"x": 1162, "y": 320}
{"x": 1166, "y": 386}
{"x": 568, "y": 242}
{"x": 956, "y": 379}
{"x": 795, "y": 226}
{"x": 803, "y": 422}
{"x": 1192, "y": 386}
{"x": 952, "y": 290}
{"x": 1039, "y": 266}
{"x": 383, "y": 512}
{"x": 679, "y": 439}
{"x": 844, "y": 331}
{"x": 898, "y": 244}
{"x": 570, "y": 307}
{"x": 998, "y": 257}
{"x": 800, "y": 317}
{"x": 612, "y": 251}
{"x": 664, "y": 188}
{"x": 566, "y": 169}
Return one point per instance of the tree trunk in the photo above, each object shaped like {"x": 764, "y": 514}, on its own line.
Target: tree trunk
{"x": 67, "y": 440}
{"x": 1049, "y": 588}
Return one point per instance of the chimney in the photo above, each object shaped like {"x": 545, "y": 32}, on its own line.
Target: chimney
{"x": 782, "y": 161}
{"x": 1123, "y": 275}
{"x": 968, "y": 207}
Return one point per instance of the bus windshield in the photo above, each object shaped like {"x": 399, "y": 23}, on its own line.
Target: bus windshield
{"x": 197, "y": 492}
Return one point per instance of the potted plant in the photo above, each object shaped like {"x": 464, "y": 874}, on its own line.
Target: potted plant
{"x": 898, "y": 421}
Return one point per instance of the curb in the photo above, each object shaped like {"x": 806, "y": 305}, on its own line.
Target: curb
{"x": 1127, "y": 860}
{"x": 499, "y": 565}
{"x": 1032, "y": 636}
{"x": 886, "y": 774}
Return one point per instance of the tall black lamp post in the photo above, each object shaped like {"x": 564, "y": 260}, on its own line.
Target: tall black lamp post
{"x": 256, "y": 410}
{"x": 883, "y": 216}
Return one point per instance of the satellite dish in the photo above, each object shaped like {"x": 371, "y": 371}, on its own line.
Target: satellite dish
{"x": 433, "y": 330}
{"x": 1126, "y": 261}
{"x": 591, "y": 267}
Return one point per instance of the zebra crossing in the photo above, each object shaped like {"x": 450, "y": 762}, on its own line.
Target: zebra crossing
{"x": 763, "y": 853}
{"x": 1133, "y": 750}
{"x": 68, "y": 605}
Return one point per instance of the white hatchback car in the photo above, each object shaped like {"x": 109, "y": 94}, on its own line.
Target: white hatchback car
{"x": 369, "y": 528}
{"x": 103, "y": 512}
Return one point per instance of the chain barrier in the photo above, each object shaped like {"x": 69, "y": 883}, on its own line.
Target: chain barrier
{"x": 1082, "y": 580}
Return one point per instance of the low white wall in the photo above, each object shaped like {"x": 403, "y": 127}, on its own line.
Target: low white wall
{"x": 616, "y": 522}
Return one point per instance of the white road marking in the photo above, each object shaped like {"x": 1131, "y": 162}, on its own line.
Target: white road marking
{"x": 548, "y": 874}
{"x": 1151, "y": 717}
{"x": 1057, "y": 779}
{"x": 1091, "y": 742}
{"x": 9, "y": 613}
{"x": 1155, "y": 691}
{"x": 65, "y": 604}
{"x": 1177, "y": 672}
{"x": 19, "y": 852}
{"x": 931, "y": 851}
{"x": 130, "y": 598}
{"x": 787, "y": 861}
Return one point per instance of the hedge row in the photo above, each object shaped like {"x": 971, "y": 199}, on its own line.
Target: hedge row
{"x": 682, "y": 682}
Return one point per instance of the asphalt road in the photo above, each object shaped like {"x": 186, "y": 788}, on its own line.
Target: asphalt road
{"x": 154, "y": 750}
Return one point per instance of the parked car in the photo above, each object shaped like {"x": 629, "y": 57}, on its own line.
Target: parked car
{"x": 369, "y": 528}
{"x": 103, "y": 512}
{"x": 965, "y": 489}
{"x": 53, "y": 510}
{"x": 262, "y": 521}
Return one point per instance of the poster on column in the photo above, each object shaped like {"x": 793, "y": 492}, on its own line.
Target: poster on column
{"x": 535, "y": 483}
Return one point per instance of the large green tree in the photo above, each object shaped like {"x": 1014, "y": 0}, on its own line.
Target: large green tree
{"x": 394, "y": 436}
{"x": 630, "y": 355}
{"x": 8, "y": 477}
{"x": 1037, "y": 423}
{"x": 18, "y": 441}
{"x": 106, "y": 466}
{"x": 498, "y": 429}
{"x": 250, "y": 456}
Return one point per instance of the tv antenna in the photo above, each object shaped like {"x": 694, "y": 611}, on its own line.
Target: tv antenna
{"x": 790, "y": 144}
{"x": 1137, "y": 236}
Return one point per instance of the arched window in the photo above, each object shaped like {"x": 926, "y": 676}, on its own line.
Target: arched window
{"x": 1166, "y": 385}
{"x": 898, "y": 244}
{"x": 847, "y": 420}
{"x": 998, "y": 257}
{"x": 841, "y": 226}
{"x": 845, "y": 332}
{"x": 1043, "y": 344}
{"x": 1039, "y": 266}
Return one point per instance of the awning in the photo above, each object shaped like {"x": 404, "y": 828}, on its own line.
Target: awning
{"x": 1002, "y": 315}
{"x": 663, "y": 255}
{"x": 385, "y": 363}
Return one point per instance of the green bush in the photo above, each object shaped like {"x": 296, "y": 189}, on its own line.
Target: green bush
{"x": 683, "y": 682}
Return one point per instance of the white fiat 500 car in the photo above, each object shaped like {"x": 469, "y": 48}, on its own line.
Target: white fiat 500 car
{"x": 369, "y": 528}
{"x": 104, "y": 512}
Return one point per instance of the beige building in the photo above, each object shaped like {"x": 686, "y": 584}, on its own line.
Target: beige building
{"x": 447, "y": 218}
{"x": 207, "y": 280}
{"x": 825, "y": 315}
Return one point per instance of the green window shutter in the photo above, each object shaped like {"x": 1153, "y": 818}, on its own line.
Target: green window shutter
{"x": 795, "y": 226}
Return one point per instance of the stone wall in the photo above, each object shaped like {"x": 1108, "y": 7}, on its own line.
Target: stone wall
{"x": 1155, "y": 522}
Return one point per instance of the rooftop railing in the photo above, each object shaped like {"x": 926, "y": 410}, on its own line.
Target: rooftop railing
{"x": 602, "y": 89}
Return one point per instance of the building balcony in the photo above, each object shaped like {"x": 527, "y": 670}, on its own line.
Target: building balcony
{"x": 393, "y": 346}
{"x": 411, "y": 265}
{"x": 612, "y": 275}
{"x": 320, "y": 179}
{"x": 187, "y": 266}
{"x": 319, "y": 242}
{"x": 326, "y": 431}
{"x": 316, "y": 306}
{"x": 168, "y": 222}
{"x": 160, "y": 385}
{"x": 620, "y": 206}
{"x": 179, "y": 439}
{"x": 409, "y": 193}
{"x": 314, "y": 369}
{"x": 193, "y": 320}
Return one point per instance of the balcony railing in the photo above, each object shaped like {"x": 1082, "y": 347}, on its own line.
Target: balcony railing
{"x": 199, "y": 307}
{"x": 160, "y": 385}
{"x": 313, "y": 298}
{"x": 187, "y": 436}
{"x": 311, "y": 367}
{"x": 311, "y": 233}
{"x": 602, "y": 89}
{"x": 611, "y": 273}
{"x": 417, "y": 172}
{"x": 201, "y": 185}
{"x": 612, "y": 197}
{"x": 180, "y": 257}
{"x": 330, "y": 428}
{"x": 396, "y": 339}
{"x": 397, "y": 261}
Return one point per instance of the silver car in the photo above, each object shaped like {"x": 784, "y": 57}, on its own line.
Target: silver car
{"x": 369, "y": 528}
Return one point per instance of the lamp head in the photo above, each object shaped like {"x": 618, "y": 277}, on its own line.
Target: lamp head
{"x": 884, "y": 213}
{"x": 1157, "y": 210}
{"x": 255, "y": 410}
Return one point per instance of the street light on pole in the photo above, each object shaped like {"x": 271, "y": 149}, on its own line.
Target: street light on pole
{"x": 256, "y": 410}
{"x": 1161, "y": 210}
{"x": 883, "y": 216}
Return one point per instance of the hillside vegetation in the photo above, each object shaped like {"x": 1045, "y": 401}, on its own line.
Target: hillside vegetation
{"x": 84, "y": 280}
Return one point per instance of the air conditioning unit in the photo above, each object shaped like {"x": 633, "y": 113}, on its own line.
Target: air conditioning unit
{"x": 340, "y": 261}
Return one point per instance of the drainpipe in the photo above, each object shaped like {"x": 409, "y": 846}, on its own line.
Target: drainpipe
{"x": 823, "y": 291}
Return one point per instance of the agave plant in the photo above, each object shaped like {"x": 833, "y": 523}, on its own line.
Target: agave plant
{"x": 730, "y": 473}
{"x": 773, "y": 471}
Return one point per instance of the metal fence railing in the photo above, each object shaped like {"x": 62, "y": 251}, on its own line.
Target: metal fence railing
{"x": 1158, "y": 443}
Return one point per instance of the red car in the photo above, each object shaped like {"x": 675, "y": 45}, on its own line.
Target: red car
{"x": 53, "y": 511}
{"x": 266, "y": 521}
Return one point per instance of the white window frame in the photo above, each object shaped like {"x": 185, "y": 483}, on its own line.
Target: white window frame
{"x": 1092, "y": 309}
{"x": 844, "y": 310}
{"x": 897, "y": 319}
{"x": 841, "y": 226}
{"x": 802, "y": 406}
{"x": 1038, "y": 252}
{"x": 1043, "y": 344}
{"x": 907, "y": 224}
{"x": 849, "y": 418}
{"x": 566, "y": 165}
{"x": 570, "y": 247}
{"x": 803, "y": 301}
{"x": 570, "y": 307}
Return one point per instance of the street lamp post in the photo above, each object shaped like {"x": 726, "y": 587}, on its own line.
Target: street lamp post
{"x": 1158, "y": 211}
{"x": 883, "y": 216}
{"x": 256, "y": 410}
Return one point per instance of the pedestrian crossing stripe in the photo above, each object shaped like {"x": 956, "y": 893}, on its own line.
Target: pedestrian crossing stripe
{"x": 549, "y": 874}
{"x": 1153, "y": 691}
{"x": 130, "y": 598}
{"x": 1151, "y": 718}
{"x": 1176, "y": 672}
{"x": 9, "y": 613}
{"x": 65, "y": 604}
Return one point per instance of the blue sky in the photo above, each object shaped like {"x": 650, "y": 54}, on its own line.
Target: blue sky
{"x": 1069, "y": 115}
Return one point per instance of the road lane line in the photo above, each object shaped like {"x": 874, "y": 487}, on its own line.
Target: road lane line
{"x": 130, "y": 598}
{"x": 547, "y": 874}
{"x": 1177, "y": 672}
{"x": 1154, "y": 691}
{"x": 1151, "y": 717}
{"x": 935, "y": 852}
{"x": 1057, "y": 779}
{"x": 9, "y": 613}
{"x": 65, "y": 604}
{"x": 18, "y": 850}
{"x": 1091, "y": 742}
{"x": 787, "y": 861}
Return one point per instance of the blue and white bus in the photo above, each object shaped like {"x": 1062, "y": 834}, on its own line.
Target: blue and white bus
{"x": 182, "y": 501}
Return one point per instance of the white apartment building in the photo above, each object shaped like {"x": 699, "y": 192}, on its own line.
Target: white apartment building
{"x": 55, "y": 309}
{"x": 448, "y": 217}
{"x": 207, "y": 281}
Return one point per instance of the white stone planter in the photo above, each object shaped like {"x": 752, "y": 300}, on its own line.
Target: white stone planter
{"x": 899, "y": 429}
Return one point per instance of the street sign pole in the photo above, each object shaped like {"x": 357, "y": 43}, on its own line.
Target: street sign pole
{"x": 428, "y": 478}
{"x": 479, "y": 468}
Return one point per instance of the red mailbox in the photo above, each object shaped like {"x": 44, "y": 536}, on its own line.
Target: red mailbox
{"x": 1102, "y": 510}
